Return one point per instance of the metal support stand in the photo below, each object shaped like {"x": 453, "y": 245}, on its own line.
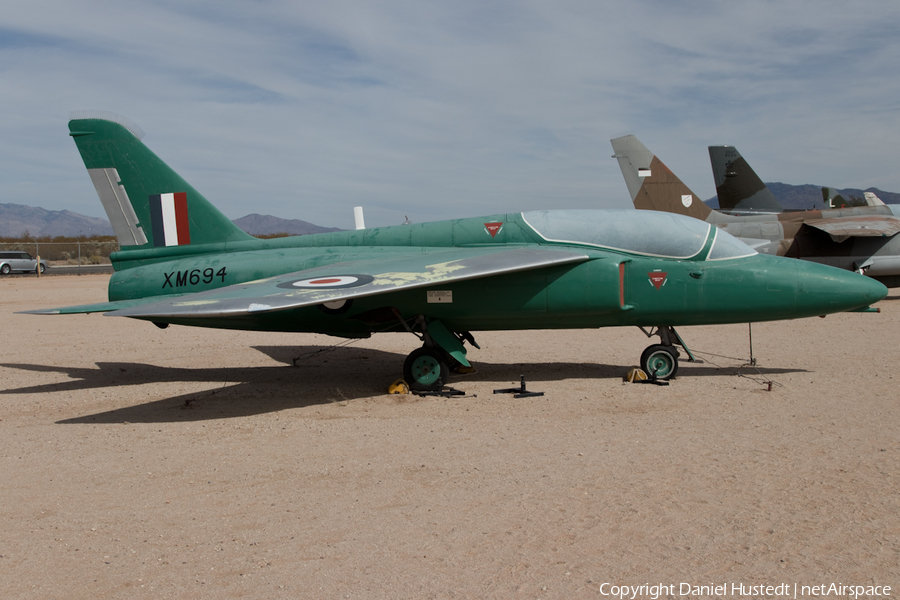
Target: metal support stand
{"x": 753, "y": 360}
{"x": 519, "y": 392}
{"x": 651, "y": 379}
{"x": 444, "y": 393}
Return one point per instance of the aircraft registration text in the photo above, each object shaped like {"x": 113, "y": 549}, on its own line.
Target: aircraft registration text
{"x": 192, "y": 277}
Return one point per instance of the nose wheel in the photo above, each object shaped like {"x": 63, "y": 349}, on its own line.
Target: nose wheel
{"x": 660, "y": 362}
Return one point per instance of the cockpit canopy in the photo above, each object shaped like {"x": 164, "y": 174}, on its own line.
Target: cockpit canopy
{"x": 642, "y": 232}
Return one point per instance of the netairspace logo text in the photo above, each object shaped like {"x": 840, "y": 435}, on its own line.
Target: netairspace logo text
{"x": 719, "y": 590}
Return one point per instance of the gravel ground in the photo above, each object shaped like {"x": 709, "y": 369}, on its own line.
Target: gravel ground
{"x": 191, "y": 463}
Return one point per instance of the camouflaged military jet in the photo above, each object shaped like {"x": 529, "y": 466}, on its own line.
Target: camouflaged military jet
{"x": 182, "y": 262}
{"x": 741, "y": 191}
{"x": 862, "y": 239}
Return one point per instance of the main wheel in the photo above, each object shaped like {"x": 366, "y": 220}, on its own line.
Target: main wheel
{"x": 41, "y": 267}
{"x": 660, "y": 361}
{"x": 425, "y": 370}
{"x": 4, "y": 269}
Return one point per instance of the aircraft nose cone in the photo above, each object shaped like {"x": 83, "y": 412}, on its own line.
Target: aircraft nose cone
{"x": 830, "y": 289}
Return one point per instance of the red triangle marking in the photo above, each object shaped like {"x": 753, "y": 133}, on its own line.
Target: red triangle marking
{"x": 493, "y": 228}
{"x": 657, "y": 279}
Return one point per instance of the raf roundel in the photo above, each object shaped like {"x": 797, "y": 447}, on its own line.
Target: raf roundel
{"x": 327, "y": 282}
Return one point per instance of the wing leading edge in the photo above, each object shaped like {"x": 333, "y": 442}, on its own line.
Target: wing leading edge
{"x": 103, "y": 307}
{"x": 857, "y": 226}
{"x": 352, "y": 279}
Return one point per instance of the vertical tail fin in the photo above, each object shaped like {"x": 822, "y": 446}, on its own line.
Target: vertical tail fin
{"x": 872, "y": 199}
{"x": 651, "y": 184}
{"x": 148, "y": 204}
{"x": 738, "y": 186}
{"x": 833, "y": 199}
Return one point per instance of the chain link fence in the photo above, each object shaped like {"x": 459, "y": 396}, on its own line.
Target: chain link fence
{"x": 78, "y": 253}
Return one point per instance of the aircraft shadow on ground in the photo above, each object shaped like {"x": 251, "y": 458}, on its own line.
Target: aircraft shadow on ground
{"x": 320, "y": 377}
{"x": 503, "y": 373}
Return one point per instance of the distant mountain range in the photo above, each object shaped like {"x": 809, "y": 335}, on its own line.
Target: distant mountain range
{"x": 810, "y": 196}
{"x": 267, "y": 224}
{"x": 16, "y": 219}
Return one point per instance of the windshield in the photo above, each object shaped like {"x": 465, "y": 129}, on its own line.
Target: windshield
{"x": 727, "y": 246}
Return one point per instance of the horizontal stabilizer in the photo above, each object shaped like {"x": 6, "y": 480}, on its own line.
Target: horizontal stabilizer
{"x": 353, "y": 279}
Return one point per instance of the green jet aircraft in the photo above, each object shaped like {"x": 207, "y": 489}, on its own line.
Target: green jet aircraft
{"x": 183, "y": 262}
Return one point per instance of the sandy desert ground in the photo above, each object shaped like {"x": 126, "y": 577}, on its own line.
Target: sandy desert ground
{"x": 185, "y": 463}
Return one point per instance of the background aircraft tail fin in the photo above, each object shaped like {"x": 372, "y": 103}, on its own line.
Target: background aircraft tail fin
{"x": 651, "y": 184}
{"x": 148, "y": 204}
{"x": 833, "y": 199}
{"x": 738, "y": 186}
{"x": 872, "y": 199}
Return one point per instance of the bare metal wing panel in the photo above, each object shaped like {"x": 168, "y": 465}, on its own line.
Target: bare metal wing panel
{"x": 847, "y": 227}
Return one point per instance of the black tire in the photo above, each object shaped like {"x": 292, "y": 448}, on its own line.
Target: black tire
{"x": 425, "y": 370}
{"x": 660, "y": 361}
{"x": 41, "y": 267}
{"x": 4, "y": 270}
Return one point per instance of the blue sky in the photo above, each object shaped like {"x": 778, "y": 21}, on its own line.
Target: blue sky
{"x": 437, "y": 110}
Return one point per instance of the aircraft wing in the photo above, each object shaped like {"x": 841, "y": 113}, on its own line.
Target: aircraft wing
{"x": 353, "y": 279}
{"x": 95, "y": 308}
{"x": 858, "y": 226}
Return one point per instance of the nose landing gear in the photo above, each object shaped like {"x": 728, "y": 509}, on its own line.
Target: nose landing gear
{"x": 660, "y": 361}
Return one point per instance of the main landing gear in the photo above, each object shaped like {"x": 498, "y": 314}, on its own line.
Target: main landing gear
{"x": 426, "y": 368}
{"x": 660, "y": 361}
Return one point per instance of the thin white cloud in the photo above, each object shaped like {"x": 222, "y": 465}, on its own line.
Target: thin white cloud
{"x": 440, "y": 110}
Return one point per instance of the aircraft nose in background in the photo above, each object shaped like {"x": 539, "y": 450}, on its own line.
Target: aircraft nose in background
{"x": 830, "y": 289}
